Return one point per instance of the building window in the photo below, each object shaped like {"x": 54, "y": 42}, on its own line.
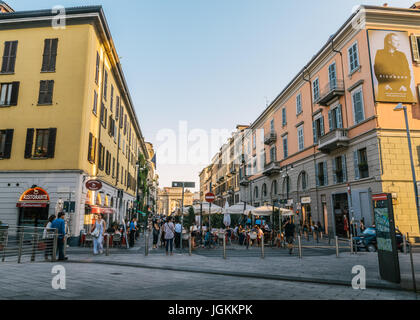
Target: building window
{"x": 98, "y": 61}
{"x": 104, "y": 113}
{"x": 9, "y": 94}
{"x": 46, "y": 92}
{"x": 117, "y": 108}
{"x": 358, "y": 112}
{"x": 415, "y": 47}
{"x": 105, "y": 84}
{"x": 285, "y": 148}
{"x": 264, "y": 190}
{"x": 6, "y": 138}
{"x": 315, "y": 89}
{"x": 361, "y": 167}
{"x": 339, "y": 169}
{"x": 298, "y": 104}
{"x": 332, "y": 76}
{"x": 301, "y": 140}
{"x": 274, "y": 188}
{"x": 353, "y": 58}
{"x": 318, "y": 129}
{"x": 111, "y": 104}
{"x": 286, "y": 187}
{"x": 256, "y": 192}
{"x": 101, "y": 157}
{"x": 321, "y": 174}
{"x": 9, "y": 57}
{"x": 95, "y": 102}
{"x": 303, "y": 180}
{"x": 92, "y": 148}
{"x": 44, "y": 143}
{"x": 254, "y": 141}
{"x": 50, "y": 55}
{"x": 335, "y": 119}
{"x": 272, "y": 126}
{"x": 283, "y": 117}
{"x": 273, "y": 157}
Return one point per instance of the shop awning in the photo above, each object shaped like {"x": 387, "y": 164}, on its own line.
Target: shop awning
{"x": 31, "y": 205}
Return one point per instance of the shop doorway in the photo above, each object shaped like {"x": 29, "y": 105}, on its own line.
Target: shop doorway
{"x": 341, "y": 214}
{"x": 306, "y": 214}
{"x": 33, "y": 217}
{"x": 325, "y": 214}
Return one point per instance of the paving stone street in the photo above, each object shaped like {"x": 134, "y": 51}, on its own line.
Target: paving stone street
{"x": 95, "y": 281}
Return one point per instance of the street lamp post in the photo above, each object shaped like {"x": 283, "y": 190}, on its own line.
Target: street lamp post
{"x": 400, "y": 107}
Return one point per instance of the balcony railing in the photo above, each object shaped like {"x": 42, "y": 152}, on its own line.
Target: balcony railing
{"x": 333, "y": 140}
{"x": 270, "y": 138}
{"x": 333, "y": 90}
{"x": 271, "y": 169}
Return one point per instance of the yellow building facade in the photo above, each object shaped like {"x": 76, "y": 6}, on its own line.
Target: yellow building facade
{"x": 66, "y": 117}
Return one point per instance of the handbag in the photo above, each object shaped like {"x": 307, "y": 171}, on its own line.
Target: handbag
{"x": 95, "y": 233}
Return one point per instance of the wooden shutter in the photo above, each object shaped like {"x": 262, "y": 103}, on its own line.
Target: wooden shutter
{"x": 15, "y": 94}
{"x": 5, "y": 56}
{"x": 8, "y": 144}
{"x": 334, "y": 171}
{"x": 50, "y": 88}
{"x": 97, "y": 67}
{"x": 415, "y": 48}
{"x": 53, "y": 57}
{"x": 90, "y": 147}
{"x": 317, "y": 174}
{"x": 344, "y": 165}
{"x": 322, "y": 125}
{"x": 51, "y": 142}
{"x": 339, "y": 116}
{"x": 356, "y": 166}
{"x": 29, "y": 143}
{"x": 325, "y": 173}
{"x": 314, "y": 132}
{"x": 330, "y": 121}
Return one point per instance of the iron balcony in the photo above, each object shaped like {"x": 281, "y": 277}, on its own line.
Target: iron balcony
{"x": 271, "y": 169}
{"x": 333, "y": 90}
{"x": 270, "y": 138}
{"x": 333, "y": 140}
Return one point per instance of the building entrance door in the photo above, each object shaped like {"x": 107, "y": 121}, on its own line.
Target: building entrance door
{"x": 341, "y": 214}
{"x": 325, "y": 213}
{"x": 33, "y": 217}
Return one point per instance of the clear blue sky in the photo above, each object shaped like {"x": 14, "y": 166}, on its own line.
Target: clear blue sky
{"x": 213, "y": 63}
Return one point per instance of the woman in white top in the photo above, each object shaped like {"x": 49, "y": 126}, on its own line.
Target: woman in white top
{"x": 98, "y": 235}
{"x": 169, "y": 229}
{"x": 48, "y": 238}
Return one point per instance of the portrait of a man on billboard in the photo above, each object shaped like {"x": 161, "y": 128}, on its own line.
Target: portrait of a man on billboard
{"x": 392, "y": 68}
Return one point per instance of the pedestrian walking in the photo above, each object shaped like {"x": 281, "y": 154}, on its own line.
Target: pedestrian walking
{"x": 156, "y": 230}
{"x": 169, "y": 235}
{"x": 98, "y": 235}
{"x": 289, "y": 230}
{"x": 132, "y": 234}
{"x": 48, "y": 238}
{"x": 60, "y": 225}
{"x": 178, "y": 230}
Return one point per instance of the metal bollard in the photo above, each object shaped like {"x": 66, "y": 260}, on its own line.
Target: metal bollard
{"x": 262, "y": 246}
{"x": 224, "y": 246}
{"x": 336, "y": 247}
{"x": 20, "y": 245}
{"x": 189, "y": 245}
{"x": 107, "y": 245}
{"x": 34, "y": 246}
{"x": 413, "y": 274}
{"x": 146, "y": 244}
{"x": 5, "y": 245}
{"x": 351, "y": 244}
{"x": 404, "y": 244}
{"x": 54, "y": 253}
{"x": 300, "y": 247}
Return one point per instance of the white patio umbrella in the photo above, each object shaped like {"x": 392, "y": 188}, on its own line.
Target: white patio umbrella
{"x": 206, "y": 208}
{"x": 239, "y": 208}
{"x": 226, "y": 218}
{"x": 263, "y": 211}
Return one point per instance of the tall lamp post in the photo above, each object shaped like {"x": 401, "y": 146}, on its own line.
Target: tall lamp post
{"x": 400, "y": 107}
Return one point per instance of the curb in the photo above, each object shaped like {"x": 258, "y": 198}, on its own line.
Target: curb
{"x": 369, "y": 284}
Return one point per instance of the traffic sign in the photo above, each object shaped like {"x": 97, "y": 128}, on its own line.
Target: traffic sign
{"x": 210, "y": 197}
{"x": 183, "y": 184}
{"x": 94, "y": 185}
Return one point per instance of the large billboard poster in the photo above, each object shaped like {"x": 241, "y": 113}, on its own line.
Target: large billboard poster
{"x": 392, "y": 68}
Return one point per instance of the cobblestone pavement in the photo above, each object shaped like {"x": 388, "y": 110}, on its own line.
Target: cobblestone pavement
{"x": 94, "y": 281}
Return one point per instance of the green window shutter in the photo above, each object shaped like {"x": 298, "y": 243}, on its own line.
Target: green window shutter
{"x": 325, "y": 174}
{"x": 317, "y": 174}
{"x": 339, "y": 115}
{"x": 330, "y": 122}
{"x": 322, "y": 125}
{"x": 314, "y": 131}
{"x": 334, "y": 169}
{"x": 344, "y": 165}
{"x": 8, "y": 144}
{"x": 15, "y": 94}
{"x": 29, "y": 143}
{"x": 356, "y": 166}
{"x": 51, "y": 142}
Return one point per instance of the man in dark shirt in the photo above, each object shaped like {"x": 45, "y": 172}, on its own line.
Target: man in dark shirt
{"x": 59, "y": 224}
{"x": 289, "y": 230}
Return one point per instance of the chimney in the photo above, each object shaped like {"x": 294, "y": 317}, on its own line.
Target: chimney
{"x": 5, "y": 8}
{"x": 416, "y": 5}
